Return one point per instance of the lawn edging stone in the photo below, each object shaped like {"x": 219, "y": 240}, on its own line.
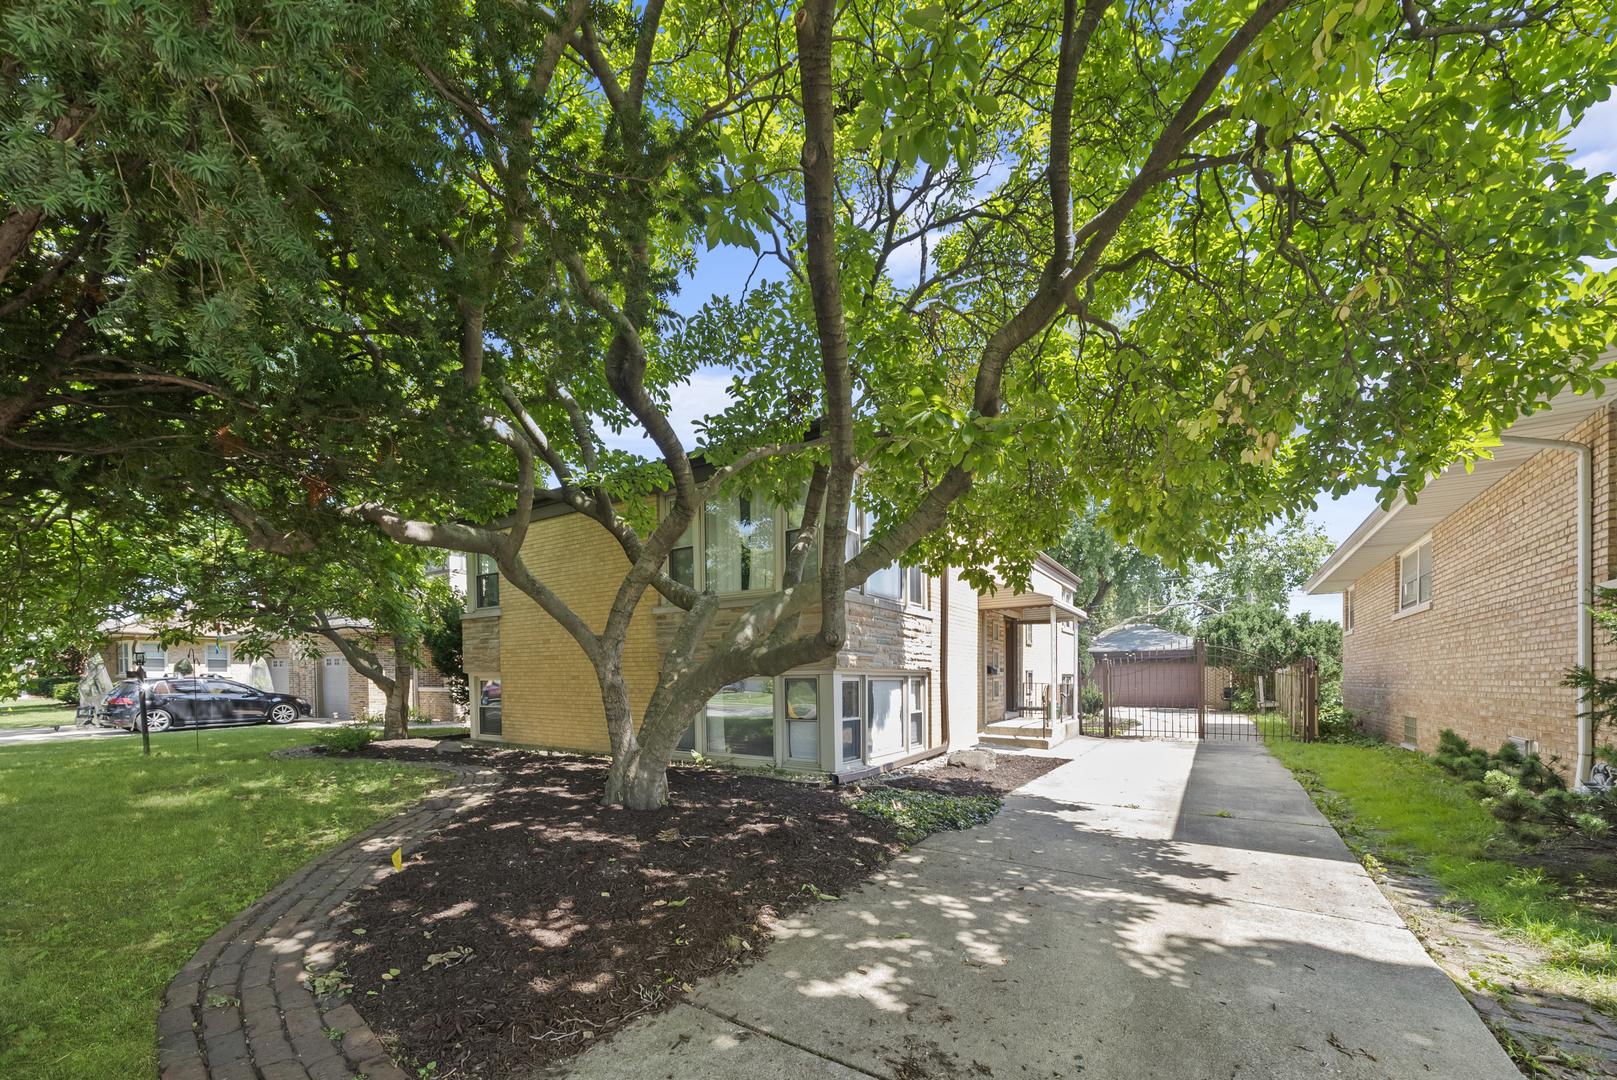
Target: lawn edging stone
{"x": 242, "y": 1007}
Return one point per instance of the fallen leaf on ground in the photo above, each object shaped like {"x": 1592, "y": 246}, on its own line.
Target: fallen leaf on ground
{"x": 668, "y": 834}
{"x": 450, "y": 956}
{"x": 679, "y": 903}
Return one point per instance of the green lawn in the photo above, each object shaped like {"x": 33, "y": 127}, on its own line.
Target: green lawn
{"x": 115, "y": 867}
{"x": 34, "y": 712}
{"x": 1397, "y": 807}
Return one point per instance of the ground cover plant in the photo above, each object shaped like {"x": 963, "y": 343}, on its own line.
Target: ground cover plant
{"x": 1400, "y": 809}
{"x": 116, "y": 867}
{"x": 916, "y": 814}
{"x": 34, "y": 712}
{"x": 543, "y": 920}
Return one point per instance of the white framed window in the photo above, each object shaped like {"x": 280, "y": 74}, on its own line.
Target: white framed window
{"x": 486, "y": 708}
{"x": 156, "y": 656}
{"x": 1415, "y": 576}
{"x": 739, "y": 545}
{"x": 217, "y": 657}
{"x": 802, "y": 703}
{"x": 1347, "y": 610}
{"x": 1027, "y": 633}
{"x": 485, "y": 591}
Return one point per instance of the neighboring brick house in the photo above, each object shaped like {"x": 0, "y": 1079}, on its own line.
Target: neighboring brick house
{"x": 928, "y": 662}
{"x": 1464, "y": 609}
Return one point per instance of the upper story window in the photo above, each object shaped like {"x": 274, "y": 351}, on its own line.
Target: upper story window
{"x": 486, "y": 583}
{"x": 1415, "y": 575}
{"x": 744, "y": 541}
{"x": 738, "y": 543}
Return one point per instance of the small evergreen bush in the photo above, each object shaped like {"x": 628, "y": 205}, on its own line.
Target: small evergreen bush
{"x": 67, "y": 692}
{"x": 1091, "y": 699}
{"x": 1524, "y": 792}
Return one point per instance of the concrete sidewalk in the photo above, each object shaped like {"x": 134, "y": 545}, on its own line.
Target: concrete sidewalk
{"x": 1150, "y": 909}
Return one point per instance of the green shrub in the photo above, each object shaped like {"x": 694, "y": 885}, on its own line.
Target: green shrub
{"x": 67, "y": 692}
{"x": 1529, "y": 796}
{"x": 350, "y": 737}
{"x": 920, "y": 813}
{"x": 1091, "y": 699}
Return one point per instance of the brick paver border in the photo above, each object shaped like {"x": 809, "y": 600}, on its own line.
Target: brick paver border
{"x": 243, "y": 1008}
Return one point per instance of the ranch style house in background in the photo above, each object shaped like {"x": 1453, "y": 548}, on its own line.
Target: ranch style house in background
{"x": 929, "y": 664}
{"x": 1465, "y": 608}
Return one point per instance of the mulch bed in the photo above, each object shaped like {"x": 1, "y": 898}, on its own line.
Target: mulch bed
{"x": 1010, "y": 773}
{"x": 563, "y": 920}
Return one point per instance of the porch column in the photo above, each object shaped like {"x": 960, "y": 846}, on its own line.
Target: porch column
{"x": 1054, "y": 695}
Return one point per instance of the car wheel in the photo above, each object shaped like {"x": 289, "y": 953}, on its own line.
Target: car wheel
{"x": 283, "y": 713}
{"x": 157, "y": 720}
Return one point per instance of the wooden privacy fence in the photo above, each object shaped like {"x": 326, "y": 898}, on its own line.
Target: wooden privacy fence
{"x": 1204, "y": 692}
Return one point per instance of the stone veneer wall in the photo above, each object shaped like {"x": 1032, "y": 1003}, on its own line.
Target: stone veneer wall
{"x": 1487, "y": 657}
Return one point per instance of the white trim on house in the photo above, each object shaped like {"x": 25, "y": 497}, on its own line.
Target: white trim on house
{"x": 1384, "y": 533}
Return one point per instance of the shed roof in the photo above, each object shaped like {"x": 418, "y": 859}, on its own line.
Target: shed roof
{"x": 1134, "y": 639}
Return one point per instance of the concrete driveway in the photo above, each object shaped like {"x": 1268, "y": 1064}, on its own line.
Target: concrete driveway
{"x": 1151, "y": 909}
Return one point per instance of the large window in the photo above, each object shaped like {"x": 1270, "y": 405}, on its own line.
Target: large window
{"x": 1415, "y": 576}
{"x": 741, "y": 719}
{"x": 882, "y": 716}
{"x": 738, "y": 544}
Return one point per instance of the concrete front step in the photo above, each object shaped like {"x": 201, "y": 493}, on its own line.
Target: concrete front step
{"x": 1027, "y": 735}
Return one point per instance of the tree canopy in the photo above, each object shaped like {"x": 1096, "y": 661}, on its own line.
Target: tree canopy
{"x": 396, "y": 268}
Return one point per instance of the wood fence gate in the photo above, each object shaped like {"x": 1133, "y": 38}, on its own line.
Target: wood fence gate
{"x": 1205, "y": 692}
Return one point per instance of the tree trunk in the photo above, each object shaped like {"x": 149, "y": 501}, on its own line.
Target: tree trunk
{"x": 638, "y": 778}
{"x": 396, "y": 718}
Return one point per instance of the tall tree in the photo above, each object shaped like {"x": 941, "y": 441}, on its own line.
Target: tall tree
{"x": 1193, "y": 260}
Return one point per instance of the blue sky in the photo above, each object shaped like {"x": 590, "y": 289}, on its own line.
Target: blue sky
{"x": 724, "y": 270}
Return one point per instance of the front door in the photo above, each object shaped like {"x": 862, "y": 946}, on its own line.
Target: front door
{"x": 1013, "y": 665}
{"x": 334, "y": 688}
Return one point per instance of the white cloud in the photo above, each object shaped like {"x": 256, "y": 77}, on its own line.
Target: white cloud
{"x": 706, "y": 392}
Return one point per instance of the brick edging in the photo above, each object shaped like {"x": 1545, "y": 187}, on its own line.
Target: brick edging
{"x": 268, "y": 1024}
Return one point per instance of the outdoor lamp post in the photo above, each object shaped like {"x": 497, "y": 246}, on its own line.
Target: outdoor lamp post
{"x": 139, "y": 675}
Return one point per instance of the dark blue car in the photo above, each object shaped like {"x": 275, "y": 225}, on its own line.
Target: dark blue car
{"x": 202, "y": 701}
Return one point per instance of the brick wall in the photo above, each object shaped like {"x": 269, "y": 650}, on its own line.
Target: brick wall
{"x": 550, "y": 694}
{"x": 1487, "y": 657}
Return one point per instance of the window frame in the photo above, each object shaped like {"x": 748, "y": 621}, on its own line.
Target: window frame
{"x": 478, "y": 571}
{"x": 207, "y": 658}
{"x": 1414, "y": 551}
{"x": 476, "y": 706}
{"x": 909, "y": 596}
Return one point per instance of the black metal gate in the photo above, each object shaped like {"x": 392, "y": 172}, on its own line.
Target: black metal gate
{"x": 1205, "y": 692}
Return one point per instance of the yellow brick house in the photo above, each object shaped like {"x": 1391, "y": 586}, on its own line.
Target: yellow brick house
{"x": 928, "y": 664}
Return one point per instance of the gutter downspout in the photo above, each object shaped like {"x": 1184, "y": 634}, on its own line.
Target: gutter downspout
{"x": 1586, "y": 651}
{"x": 943, "y": 659}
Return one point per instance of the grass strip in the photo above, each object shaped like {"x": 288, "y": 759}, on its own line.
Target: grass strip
{"x": 1397, "y": 808}
{"x": 35, "y": 712}
{"x": 921, "y": 813}
{"x": 116, "y": 867}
